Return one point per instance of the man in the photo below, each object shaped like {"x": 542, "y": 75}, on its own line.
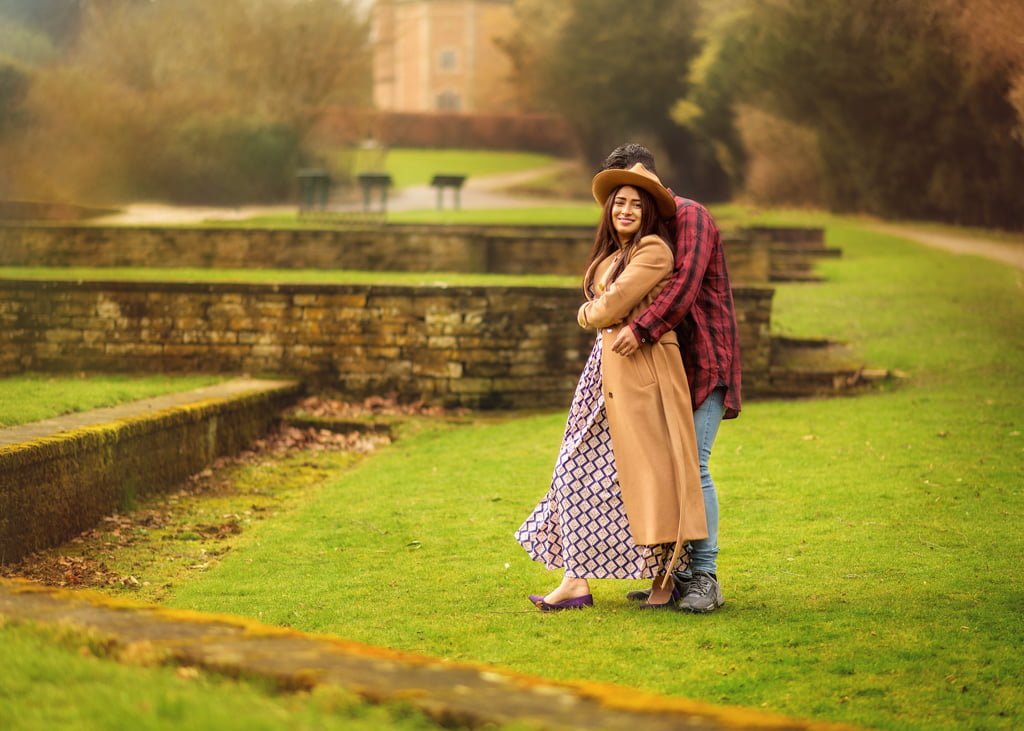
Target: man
{"x": 697, "y": 303}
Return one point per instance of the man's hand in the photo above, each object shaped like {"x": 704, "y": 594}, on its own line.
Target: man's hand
{"x": 625, "y": 342}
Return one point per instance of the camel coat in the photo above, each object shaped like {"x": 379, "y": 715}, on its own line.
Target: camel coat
{"x": 648, "y": 404}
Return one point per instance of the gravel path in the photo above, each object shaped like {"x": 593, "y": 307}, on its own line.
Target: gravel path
{"x": 1005, "y": 252}
{"x": 484, "y": 191}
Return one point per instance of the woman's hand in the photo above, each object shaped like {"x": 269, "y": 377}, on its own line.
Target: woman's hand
{"x": 581, "y": 316}
{"x": 625, "y": 343}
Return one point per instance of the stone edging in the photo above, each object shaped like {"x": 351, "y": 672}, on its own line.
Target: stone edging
{"x": 453, "y": 694}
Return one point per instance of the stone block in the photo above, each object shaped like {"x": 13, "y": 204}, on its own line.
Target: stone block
{"x": 470, "y": 385}
{"x": 355, "y": 314}
{"x": 337, "y": 301}
{"x": 222, "y": 337}
{"x": 386, "y": 328}
{"x": 529, "y": 356}
{"x": 391, "y": 303}
{"x": 382, "y": 352}
{"x": 487, "y": 370}
{"x": 62, "y": 335}
{"x": 441, "y": 342}
{"x": 225, "y": 311}
{"x": 120, "y": 348}
{"x": 172, "y": 350}
{"x": 398, "y": 369}
{"x": 439, "y": 318}
{"x": 485, "y": 355}
{"x": 145, "y": 350}
{"x": 273, "y": 309}
{"x": 317, "y": 313}
{"x": 186, "y": 308}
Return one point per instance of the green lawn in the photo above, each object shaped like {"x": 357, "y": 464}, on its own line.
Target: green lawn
{"x": 871, "y": 551}
{"x": 564, "y": 214}
{"x": 34, "y": 396}
{"x": 416, "y": 166}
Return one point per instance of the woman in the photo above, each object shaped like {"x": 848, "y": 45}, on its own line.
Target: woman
{"x": 625, "y": 495}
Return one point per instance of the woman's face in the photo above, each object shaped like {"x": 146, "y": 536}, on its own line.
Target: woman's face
{"x": 626, "y": 212}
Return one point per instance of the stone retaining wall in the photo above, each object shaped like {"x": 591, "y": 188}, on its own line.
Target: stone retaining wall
{"x": 755, "y": 255}
{"x": 503, "y": 250}
{"x": 474, "y": 346}
{"x": 54, "y": 487}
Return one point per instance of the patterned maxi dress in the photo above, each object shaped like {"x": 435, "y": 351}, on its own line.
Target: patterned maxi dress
{"x": 581, "y": 523}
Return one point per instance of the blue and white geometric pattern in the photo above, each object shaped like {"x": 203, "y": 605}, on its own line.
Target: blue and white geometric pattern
{"x": 581, "y": 523}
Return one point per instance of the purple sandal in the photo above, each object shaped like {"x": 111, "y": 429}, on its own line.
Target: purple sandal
{"x": 587, "y": 600}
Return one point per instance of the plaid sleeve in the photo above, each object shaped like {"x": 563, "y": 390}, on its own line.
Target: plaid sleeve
{"x": 695, "y": 236}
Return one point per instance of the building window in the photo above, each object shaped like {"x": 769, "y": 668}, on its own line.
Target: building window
{"x": 447, "y": 60}
{"x": 448, "y": 101}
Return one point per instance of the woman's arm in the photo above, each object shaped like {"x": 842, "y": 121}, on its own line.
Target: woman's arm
{"x": 649, "y": 263}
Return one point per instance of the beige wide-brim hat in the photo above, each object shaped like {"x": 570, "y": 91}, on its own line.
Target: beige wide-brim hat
{"x": 639, "y": 177}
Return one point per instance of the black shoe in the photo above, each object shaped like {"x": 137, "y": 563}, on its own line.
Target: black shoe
{"x": 703, "y": 594}
{"x": 642, "y": 595}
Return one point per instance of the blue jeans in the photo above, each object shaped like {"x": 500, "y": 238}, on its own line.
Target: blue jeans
{"x": 706, "y": 419}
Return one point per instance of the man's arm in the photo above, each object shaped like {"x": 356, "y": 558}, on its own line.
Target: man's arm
{"x": 695, "y": 239}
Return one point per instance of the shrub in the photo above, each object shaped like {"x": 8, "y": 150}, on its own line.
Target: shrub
{"x": 227, "y": 160}
{"x": 783, "y": 163}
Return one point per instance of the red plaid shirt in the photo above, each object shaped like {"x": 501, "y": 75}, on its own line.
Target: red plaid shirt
{"x": 697, "y": 303}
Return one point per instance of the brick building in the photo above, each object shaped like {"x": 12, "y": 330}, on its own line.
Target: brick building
{"x": 441, "y": 56}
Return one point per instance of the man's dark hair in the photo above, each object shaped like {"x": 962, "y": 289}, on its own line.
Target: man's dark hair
{"x": 628, "y": 155}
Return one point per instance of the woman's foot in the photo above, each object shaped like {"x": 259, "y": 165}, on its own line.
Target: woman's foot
{"x": 570, "y": 588}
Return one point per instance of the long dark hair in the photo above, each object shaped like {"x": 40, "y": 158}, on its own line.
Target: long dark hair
{"x": 606, "y": 240}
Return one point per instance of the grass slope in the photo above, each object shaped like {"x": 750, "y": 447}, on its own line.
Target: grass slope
{"x": 871, "y": 555}
{"x": 34, "y": 396}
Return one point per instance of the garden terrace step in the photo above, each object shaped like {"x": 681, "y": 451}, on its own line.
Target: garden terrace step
{"x": 60, "y": 476}
{"x": 791, "y": 383}
{"x": 343, "y": 425}
{"x": 814, "y": 367}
